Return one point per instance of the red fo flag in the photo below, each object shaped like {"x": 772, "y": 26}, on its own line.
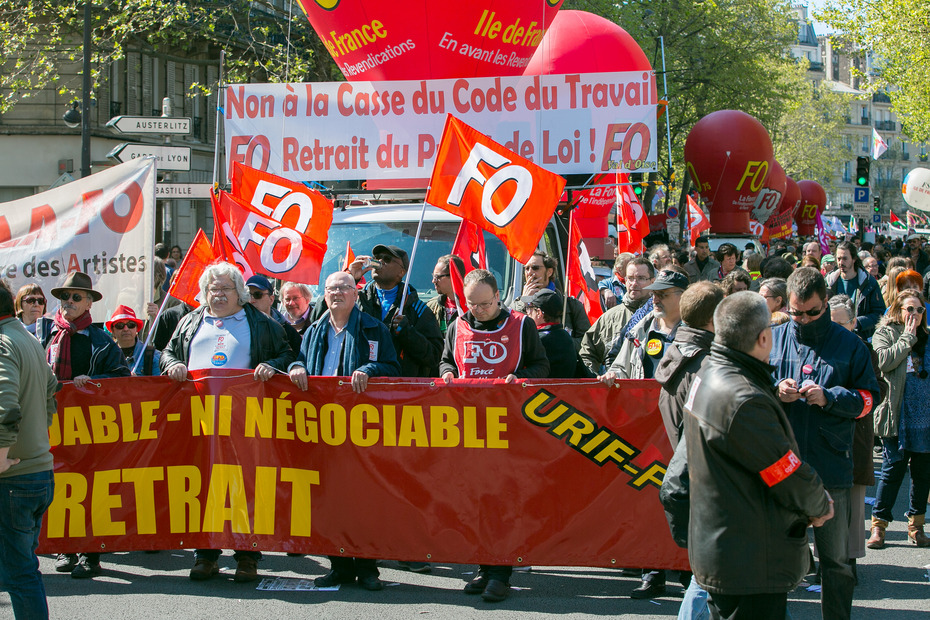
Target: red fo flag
{"x": 469, "y": 246}
{"x": 225, "y": 243}
{"x": 293, "y": 205}
{"x": 503, "y": 193}
{"x": 632, "y": 221}
{"x": 582, "y": 283}
{"x": 697, "y": 221}
{"x": 185, "y": 285}
{"x": 267, "y": 246}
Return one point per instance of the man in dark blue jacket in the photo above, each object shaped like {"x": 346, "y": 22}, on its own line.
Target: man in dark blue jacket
{"x": 851, "y": 278}
{"x": 825, "y": 380}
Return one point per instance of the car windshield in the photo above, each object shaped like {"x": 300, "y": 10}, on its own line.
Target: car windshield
{"x": 436, "y": 240}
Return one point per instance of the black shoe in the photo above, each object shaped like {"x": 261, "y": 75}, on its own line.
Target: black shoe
{"x": 415, "y": 567}
{"x": 85, "y": 569}
{"x": 477, "y": 585}
{"x": 649, "y": 588}
{"x": 496, "y": 591}
{"x": 66, "y": 562}
{"x": 370, "y": 582}
{"x": 684, "y": 578}
{"x": 332, "y": 578}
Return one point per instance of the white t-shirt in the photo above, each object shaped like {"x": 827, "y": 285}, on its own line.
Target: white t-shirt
{"x": 221, "y": 343}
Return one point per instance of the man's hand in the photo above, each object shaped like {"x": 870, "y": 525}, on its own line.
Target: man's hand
{"x": 359, "y": 381}
{"x": 298, "y": 377}
{"x": 80, "y": 381}
{"x": 788, "y": 391}
{"x": 819, "y": 521}
{"x": 6, "y": 463}
{"x": 178, "y": 372}
{"x": 814, "y": 394}
{"x": 510, "y": 378}
{"x": 399, "y": 321}
{"x": 610, "y": 300}
{"x": 357, "y": 268}
{"x": 263, "y": 372}
{"x": 607, "y": 378}
{"x": 447, "y": 377}
{"x": 151, "y": 309}
{"x": 532, "y": 285}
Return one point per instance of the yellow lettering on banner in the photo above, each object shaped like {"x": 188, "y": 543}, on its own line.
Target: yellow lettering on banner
{"x": 595, "y": 441}
{"x": 54, "y": 431}
{"x": 654, "y": 474}
{"x": 333, "y": 424}
{"x": 203, "y": 412}
{"x": 625, "y": 452}
{"x": 284, "y": 417}
{"x": 183, "y": 506}
{"x": 264, "y": 500}
{"x": 149, "y": 409}
{"x": 390, "y": 426}
{"x": 412, "y": 427}
{"x": 496, "y": 426}
{"x": 258, "y": 416}
{"x": 102, "y": 503}
{"x": 531, "y": 409}
{"x": 361, "y": 435}
{"x": 128, "y": 422}
{"x": 576, "y": 424}
{"x": 225, "y": 415}
{"x": 143, "y": 481}
{"x": 305, "y": 417}
{"x": 67, "y": 506}
{"x": 74, "y": 427}
{"x": 226, "y": 483}
{"x": 443, "y": 429}
{"x": 301, "y": 480}
{"x": 103, "y": 423}
{"x": 471, "y": 429}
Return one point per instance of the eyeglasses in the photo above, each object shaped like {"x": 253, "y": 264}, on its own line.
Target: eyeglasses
{"x": 76, "y": 297}
{"x": 258, "y": 294}
{"x": 483, "y": 305}
{"x": 437, "y": 278}
{"x": 810, "y": 313}
{"x": 221, "y": 291}
{"x": 34, "y": 300}
{"x": 913, "y": 309}
{"x": 638, "y": 279}
{"x": 345, "y": 288}
{"x": 124, "y": 325}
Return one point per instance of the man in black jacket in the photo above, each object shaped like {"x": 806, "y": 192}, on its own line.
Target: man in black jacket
{"x": 752, "y": 497}
{"x": 545, "y": 308}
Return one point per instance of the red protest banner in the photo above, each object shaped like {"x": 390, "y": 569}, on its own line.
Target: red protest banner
{"x": 185, "y": 284}
{"x": 570, "y": 473}
{"x": 505, "y": 194}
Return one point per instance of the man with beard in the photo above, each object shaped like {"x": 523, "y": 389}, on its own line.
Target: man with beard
{"x": 598, "y": 340}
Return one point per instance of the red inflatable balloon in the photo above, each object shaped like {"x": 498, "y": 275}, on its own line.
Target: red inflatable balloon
{"x": 729, "y": 156}
{"x": 813, "y": 201}
{"x": 770, "y": 197}
{"x": 375, "y": 40}
{"x": 791, "y": 201}
{"x": 779, "y": 225}
{"x": 582, "y": 42}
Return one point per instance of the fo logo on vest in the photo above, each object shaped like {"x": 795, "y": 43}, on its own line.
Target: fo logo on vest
{"x": 490, "y": 352}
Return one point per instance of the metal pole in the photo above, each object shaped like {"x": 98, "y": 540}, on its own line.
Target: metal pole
{"x": 413, "y": 255}
{"x": 668, "y": 124}
{"x": 219, "y": 118}
{"x": 85, "y": 97}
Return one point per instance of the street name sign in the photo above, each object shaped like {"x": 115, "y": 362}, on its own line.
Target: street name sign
{"x": 167, "y": 157}
{"x": 150, "y": 124}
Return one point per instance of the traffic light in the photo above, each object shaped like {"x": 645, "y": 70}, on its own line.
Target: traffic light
{"x": 639, "y": 183}
{"x": 862, "y": 171}
{"x": 877, "y": 204}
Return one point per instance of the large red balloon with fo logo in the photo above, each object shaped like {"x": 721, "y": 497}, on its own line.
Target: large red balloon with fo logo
{"x": 770, "y": 197}
{"x": 582, "y": 42}
{"x": 729, "y": 156}
{"x": 423, "y": 39}
{"x": 813, "y": 201}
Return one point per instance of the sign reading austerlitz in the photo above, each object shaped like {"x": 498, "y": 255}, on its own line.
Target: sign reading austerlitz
{"x": 568, "y": 124}
{"x": 150, "y": 124}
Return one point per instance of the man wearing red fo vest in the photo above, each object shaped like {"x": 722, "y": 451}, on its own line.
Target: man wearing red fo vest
{"x": 491, "y": 342}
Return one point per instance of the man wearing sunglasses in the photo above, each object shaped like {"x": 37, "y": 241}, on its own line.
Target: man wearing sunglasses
{"x": 826, "y": 382}
{"x": 262, "y": 298}
{"x": 79, "y": 352}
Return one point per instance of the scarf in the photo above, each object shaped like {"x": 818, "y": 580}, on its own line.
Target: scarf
{"x": 59, "y": 349}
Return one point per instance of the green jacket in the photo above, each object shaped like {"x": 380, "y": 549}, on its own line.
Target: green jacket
{"x": 893, "y": 346}
{"x": 27, "y": 399}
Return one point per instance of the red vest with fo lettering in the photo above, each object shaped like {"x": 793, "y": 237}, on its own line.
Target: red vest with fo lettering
{"x": 493, "y": 354}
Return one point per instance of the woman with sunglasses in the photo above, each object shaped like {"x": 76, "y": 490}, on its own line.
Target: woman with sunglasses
{"x": 29, "y": 305}
{"x": 903, "y": 418}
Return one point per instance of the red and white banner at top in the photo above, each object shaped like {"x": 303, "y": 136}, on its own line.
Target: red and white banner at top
{"x": 328, "y": 131}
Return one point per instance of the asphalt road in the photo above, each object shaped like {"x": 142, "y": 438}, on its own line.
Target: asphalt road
{"x": 893, "y": 583}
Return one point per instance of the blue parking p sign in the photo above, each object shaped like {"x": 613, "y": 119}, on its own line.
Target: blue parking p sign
{"x": 861, "y": 194}
{"x": 876, "y": 218}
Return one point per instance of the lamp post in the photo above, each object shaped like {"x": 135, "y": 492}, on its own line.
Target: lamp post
{"x": 72, "y": 117}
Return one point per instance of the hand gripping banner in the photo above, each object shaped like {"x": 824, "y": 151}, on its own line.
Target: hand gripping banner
{"x": 544, "y": 473}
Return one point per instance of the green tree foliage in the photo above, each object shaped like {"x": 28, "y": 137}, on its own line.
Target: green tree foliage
{"x": 40, "y": 37}
{"x": 897, "y": 33}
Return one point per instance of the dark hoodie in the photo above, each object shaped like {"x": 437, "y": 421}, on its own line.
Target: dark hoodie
{"x": 680, "y": 363}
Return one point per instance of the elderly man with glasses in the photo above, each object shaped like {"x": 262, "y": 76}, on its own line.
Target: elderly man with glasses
{"x": 826, "y": 382}
{"x": 226, "y": 332}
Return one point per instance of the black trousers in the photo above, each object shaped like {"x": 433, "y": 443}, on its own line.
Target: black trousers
{"x": 748, "y": 607}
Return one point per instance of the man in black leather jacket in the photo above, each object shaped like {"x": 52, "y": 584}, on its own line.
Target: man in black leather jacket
{"x": 752, "y": 497}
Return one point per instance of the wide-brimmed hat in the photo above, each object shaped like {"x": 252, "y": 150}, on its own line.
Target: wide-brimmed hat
{"x": 123, "y": 313}
{"x": 78, "y": 281}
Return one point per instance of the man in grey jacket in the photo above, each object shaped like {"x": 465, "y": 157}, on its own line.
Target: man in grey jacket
{"x": 702, "y": 266}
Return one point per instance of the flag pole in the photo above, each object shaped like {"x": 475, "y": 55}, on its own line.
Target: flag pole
{"x": 413, "y": 255}
{"x": 151, "y": 333}
{"x": 558, "y": 244}
{"x": 219, "y": 117}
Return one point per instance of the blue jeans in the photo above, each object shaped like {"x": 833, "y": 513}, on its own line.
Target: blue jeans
{"x": 894, "y": 465}
{"x": 694, "y": 605}
{"x": 23, "y": 501}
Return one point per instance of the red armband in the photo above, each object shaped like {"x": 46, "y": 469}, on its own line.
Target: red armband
{"x": 866, "y": 403}
{"x": 781, "y": 469}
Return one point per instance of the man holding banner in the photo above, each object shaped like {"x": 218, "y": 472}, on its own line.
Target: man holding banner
{"x": 491, "y": 342}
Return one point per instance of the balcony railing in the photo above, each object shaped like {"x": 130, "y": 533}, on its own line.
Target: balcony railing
{"x": 885, "y": 125}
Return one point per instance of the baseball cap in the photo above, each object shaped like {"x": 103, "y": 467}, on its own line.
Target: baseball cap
{"x": 394, "y": 251}
{"x": 913, "y": 236}
{"x": 668, "y": 279}
{"x": 546, "y": 300}
{"x": 260, "y": 282}
{"x": 828, "y": 258}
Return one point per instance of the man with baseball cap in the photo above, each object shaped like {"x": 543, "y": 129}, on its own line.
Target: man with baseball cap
{"x": 262, "y": 298}
{"x": 125, "y": 327}
{"x": 915, "y": 252}
{"x": 545, "y": 308}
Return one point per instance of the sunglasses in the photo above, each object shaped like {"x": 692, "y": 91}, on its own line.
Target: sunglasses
{"x": 913, "y": 309}
{"x": 810, "y": 313}
{"x": 75, "y": 297}
{"x": 258, "y": 294}
{"x": 34, "y": 300}
{"x": 124, "y": 325}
